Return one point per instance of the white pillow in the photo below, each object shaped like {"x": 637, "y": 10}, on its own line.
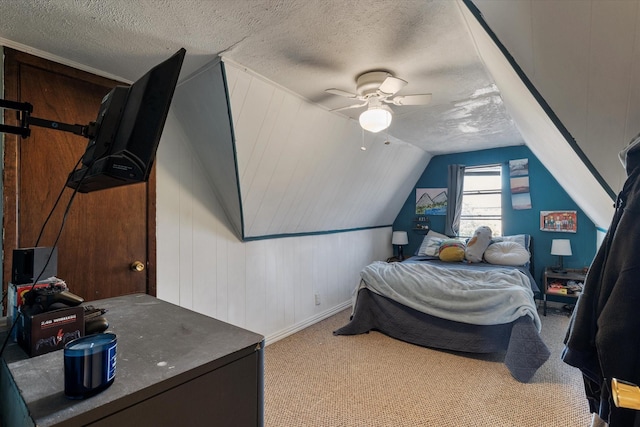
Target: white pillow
{"x": 506, "y": 253}
{"x": 431, "y": 244}
{"x": 523, "y": 239}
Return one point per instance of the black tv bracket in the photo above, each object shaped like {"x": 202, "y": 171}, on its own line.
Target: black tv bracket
{"x": 23, "y": 112}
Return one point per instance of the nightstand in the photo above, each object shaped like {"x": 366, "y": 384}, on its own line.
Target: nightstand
{"x": 567, "y": 284}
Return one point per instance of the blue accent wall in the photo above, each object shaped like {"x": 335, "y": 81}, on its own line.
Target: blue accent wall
{"x": 546, "y": 195}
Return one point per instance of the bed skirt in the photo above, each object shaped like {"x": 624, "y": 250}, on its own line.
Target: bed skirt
{"x": 524, "y": 349}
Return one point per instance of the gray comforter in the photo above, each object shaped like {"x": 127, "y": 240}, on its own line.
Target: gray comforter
{"x": 472, "y": 316}
{"x": 524, "y": 351}
{"x": 475, "y": 296}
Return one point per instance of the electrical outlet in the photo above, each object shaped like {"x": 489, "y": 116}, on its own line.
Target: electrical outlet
{"x": 317, "y": 297}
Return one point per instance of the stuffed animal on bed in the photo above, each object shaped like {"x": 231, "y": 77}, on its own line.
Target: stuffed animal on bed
{"x": 478, "y": 244}
{"x": 451, "y": 250}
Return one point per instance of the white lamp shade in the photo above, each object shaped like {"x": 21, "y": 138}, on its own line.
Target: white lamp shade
{"x": 399, "y": 238}
{"x": 561, "y": 247}
{"x": 376, "y": 119}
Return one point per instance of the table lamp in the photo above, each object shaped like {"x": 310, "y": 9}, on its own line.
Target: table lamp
{"x": 399, "y": 238}
{"x": 560, "y": 247}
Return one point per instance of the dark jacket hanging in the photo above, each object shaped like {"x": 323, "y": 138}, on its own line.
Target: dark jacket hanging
{"x": 603, "y": 339}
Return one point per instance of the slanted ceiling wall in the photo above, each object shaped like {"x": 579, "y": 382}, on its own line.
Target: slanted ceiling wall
{"x": 274, "y": 287}
{"x": 541, "y": 133}
{"x": 298, "y": 168}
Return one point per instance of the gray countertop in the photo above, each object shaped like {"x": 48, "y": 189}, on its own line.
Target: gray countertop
{"x": 160, "y": 345}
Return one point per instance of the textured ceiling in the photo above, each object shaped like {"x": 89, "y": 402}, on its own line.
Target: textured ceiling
{"x": 582, "y": 56}
{"x": 304, "y": 46}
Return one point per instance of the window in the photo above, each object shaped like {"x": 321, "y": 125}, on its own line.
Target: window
{"x": 481, "y": 199}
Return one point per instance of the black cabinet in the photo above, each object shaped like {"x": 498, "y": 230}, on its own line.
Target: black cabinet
{"x": 174, "y": 367}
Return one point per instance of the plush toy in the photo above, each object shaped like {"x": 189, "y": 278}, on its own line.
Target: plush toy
{"x": 451, "y": 250}
{"x": 478, "y": 244}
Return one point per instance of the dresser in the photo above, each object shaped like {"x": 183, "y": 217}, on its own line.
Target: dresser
{"x": 173, "y": 367}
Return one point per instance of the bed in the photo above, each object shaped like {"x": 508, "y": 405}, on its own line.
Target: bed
{"x": 455, "y": 306}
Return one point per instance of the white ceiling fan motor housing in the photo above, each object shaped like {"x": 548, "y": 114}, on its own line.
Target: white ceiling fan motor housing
{"x": 367, "y": 84}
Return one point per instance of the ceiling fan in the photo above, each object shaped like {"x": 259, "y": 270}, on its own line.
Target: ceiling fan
{"x": 375, "y": 89}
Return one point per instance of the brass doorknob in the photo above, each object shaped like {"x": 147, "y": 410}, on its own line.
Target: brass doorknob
{"x": 137, "y": 266}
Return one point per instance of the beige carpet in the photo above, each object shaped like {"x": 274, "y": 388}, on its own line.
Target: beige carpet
{"x": 313, "y": 378}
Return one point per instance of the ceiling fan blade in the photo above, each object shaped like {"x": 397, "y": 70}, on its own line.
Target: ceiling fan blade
{"x": 422, "y": 99}
{"x": 348, "y": 107}
{"x": 340, "y": 92}
{"x": 391, "y": 85}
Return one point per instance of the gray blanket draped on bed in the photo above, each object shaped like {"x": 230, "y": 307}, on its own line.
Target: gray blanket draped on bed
{"x": 477, "y": 296}
{"x": 518, "y": 337}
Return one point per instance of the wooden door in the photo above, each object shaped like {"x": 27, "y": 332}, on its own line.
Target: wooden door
{"x": 105, "y": 231}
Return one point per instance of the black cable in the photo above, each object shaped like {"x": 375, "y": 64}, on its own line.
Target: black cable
{"x": 56, "y": 204}
{"x": 46, "y": 221}
{"x": 18, "y": 314}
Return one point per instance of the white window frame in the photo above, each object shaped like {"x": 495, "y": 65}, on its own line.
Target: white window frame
{"x": 483, "y": 218}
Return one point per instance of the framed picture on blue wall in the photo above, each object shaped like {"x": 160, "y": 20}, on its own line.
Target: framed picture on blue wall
{"x": 431, "y": 201}
{"x": 559, "y": 221}
{"x": 519, "y": 167}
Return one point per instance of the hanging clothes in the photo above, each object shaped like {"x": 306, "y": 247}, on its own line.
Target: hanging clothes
{"x": 603, "y": 339}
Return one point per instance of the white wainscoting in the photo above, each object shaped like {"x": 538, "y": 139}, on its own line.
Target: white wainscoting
{"x": 267, "y": 286}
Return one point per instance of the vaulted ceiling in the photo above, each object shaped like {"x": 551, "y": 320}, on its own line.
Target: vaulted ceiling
{"x": 581, "y": 56}
{"x": 305, "y": 46}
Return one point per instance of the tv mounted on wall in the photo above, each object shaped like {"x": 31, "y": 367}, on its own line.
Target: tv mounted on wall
{"x": 124, "y": 138}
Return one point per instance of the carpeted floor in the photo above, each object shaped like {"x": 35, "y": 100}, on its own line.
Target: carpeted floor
{"x": 313, "y": 378}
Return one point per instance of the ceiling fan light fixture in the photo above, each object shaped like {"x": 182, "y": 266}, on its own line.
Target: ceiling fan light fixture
{"x": 376, "y": 118}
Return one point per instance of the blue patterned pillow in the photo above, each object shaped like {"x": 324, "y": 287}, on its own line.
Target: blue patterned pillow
{"x": 431, "y": 244}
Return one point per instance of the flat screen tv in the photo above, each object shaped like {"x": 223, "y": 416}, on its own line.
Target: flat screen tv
{"x": 127, "y": 131}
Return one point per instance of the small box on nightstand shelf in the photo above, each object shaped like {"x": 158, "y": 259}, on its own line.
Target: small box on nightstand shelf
{"x": 567, "y": 283}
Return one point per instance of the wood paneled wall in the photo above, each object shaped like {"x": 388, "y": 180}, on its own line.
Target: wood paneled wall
{"x": 296, "y": 167}
{"x": 301, "y": 168}
{"x": 267, "y": 286}
{"x": 303, "y": 179}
